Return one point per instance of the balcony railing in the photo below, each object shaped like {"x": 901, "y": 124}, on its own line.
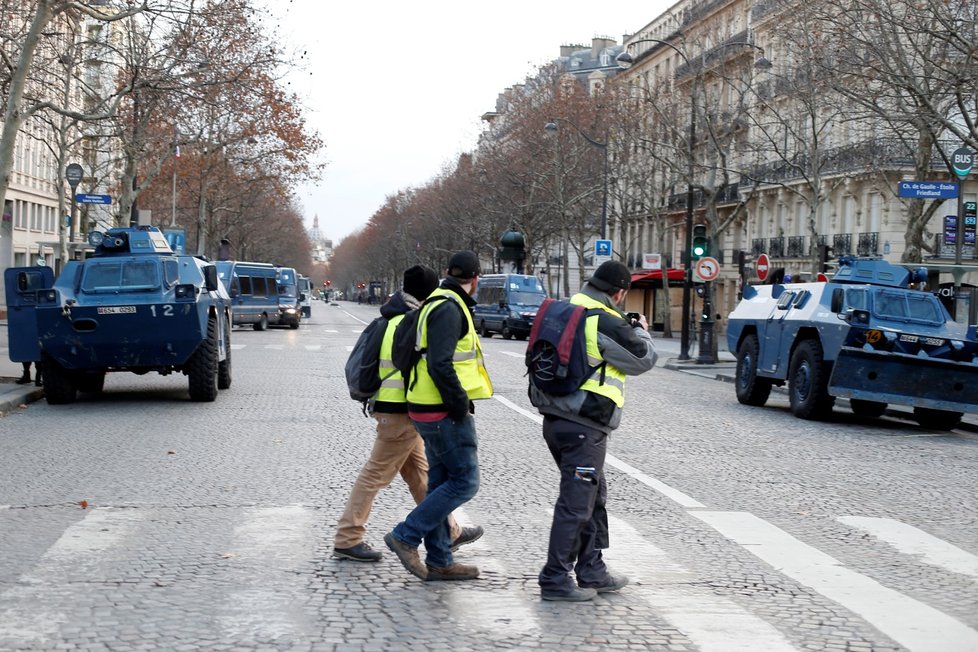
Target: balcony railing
{"x": 874, "y": 154}
{"x": 868, "y": 244}
{"x": 729, "y": 194}
{"x": 775, "y": 247}
{"x": 842, "y": 244}
{"x": 756, "y": 246}
{"x": 796, "y": 246}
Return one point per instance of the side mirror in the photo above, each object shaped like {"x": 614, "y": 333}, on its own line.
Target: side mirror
{"x": 838, "y": 295}
{"x": 210, "y": 278}
{"x": 502, "y": 303}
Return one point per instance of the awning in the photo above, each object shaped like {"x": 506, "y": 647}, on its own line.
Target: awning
{"x": 653, "y": 275}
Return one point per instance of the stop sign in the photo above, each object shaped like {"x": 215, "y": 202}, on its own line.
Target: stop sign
{"x": 763, "y": 266}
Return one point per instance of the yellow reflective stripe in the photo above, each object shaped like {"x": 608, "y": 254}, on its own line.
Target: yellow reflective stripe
{"x": 614, "y": 382}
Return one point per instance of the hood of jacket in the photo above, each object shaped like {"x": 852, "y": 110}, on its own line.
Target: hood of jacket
{"x": 399, "y": 303}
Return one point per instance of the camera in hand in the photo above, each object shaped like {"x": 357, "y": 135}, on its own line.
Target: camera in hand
{"x": 633, "y": 316}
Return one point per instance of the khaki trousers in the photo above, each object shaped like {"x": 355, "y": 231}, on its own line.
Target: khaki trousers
{"x": 397, "y": 449}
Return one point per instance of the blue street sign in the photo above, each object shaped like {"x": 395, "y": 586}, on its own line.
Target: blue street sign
{"x": 98, "y": 199}
{"x": 928, "y": 189}
{"x": 602, "y": 247}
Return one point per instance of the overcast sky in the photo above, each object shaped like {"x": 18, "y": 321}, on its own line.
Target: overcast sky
{"x": 396, "y": 88}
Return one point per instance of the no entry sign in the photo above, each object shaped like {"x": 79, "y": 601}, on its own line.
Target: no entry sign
{"x": 763, "y": 267}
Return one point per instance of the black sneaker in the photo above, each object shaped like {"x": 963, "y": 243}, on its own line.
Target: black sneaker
{"x": 575, "y": 594}
{"x": 360, "y": 552}
{"x": 467, "y": 535}
{"x": 610, "y": 583}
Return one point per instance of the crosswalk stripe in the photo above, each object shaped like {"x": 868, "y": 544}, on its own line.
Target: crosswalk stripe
{"x": 266, "y": 548}
{"x": 513, "y": 354}
{"x": 711, "y": 621}
{"x": 356, "y": 330}
{"x": 313, "y": 347}
{"x": 348, "y": 348}
{"x": 275, "y": 347}
{"x": 496, "y": 609}
{"x": 909, "y": 622}
{"x": 331, "y": 331}
{"x": 238, "y": 347}
{"x": 912, "y": 541}
{"x": 33, "y": 618}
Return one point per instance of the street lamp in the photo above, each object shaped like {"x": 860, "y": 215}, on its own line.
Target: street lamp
{"x": 553, "y": 128}
{"x": 625, "y": 61}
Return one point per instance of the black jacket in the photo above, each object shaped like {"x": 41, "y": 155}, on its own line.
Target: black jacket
{"x": 398, "y": 304}
{"x": 446, "y": 326}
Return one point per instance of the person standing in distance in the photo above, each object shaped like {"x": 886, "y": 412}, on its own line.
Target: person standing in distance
{"x": 398, "y": 447}
{"x": 576, "y": 428}
{"x": 450, "y": 375}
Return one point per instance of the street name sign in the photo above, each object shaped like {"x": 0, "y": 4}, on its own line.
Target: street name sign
{"x": 93, "y": 199}
{"x": 928, "y": 189}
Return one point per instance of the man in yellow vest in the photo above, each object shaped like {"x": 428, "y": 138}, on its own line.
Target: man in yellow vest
{"x": 449, "y": 376}
{"x": 398, "y": 447}
{"x": 576, "y": 428}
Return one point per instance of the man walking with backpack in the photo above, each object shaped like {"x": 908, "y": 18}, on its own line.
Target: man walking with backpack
{"x": 449, "y": 375}
{"x": 398, "y": 447}
{"x": 576, "y": 427}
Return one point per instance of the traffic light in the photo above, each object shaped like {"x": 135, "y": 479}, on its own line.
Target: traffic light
{"x": 824, "y": 252}
{"x": 701, "y": 244}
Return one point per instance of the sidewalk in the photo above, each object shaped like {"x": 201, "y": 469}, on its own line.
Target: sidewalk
{"x": 12, "y": 395}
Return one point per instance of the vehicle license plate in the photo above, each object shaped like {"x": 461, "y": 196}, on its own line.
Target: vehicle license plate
{"x": 117, "y": 310}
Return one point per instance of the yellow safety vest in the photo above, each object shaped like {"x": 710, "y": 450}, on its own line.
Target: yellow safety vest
{"x": 392, "y": 384}
{"x": 612, "y": 385}
{"x": 467, "y": 359}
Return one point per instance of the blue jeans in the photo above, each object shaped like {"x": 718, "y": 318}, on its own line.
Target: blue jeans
{"x": 453, "y": 479}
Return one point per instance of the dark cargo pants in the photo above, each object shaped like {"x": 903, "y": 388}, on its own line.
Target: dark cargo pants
{"x": 580, "y": 525}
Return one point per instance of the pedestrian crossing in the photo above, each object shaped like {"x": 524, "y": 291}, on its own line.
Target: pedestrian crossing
{"x": 265, "y": 582}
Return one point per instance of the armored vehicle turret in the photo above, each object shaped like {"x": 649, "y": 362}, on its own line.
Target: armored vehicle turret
{"x": 870, "y": 334}
{"x": 134, "y": 305}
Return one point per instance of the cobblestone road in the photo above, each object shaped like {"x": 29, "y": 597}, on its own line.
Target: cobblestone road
{"x": 209, "y": 526}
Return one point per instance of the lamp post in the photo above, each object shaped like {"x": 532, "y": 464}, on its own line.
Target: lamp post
{"x": 625, "y": 61}
{"x": 553, "y": 128}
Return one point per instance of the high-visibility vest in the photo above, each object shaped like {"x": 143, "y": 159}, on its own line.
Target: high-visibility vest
{"x": 610, "y": 383}
{"x": 467, "y": 359}
{"x": 392, "y": 384}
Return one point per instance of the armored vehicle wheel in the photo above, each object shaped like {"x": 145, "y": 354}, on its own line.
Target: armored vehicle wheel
{"x": 870, "y": 409}
{"x": 224, "y": 366}
{"x": 59, "y": 387}
{"x": 750, "y": 389}
{"x": 926, "y": 417}
{"x": 808, "y": 379}
{"x": 91, "y": 382}
{"x": 485, "y": 331}
{"x": 262, "y": 323}
{"x": 202, "y": 367}
{"x": 507, "y": 334}
{"x": 295, "y": 324}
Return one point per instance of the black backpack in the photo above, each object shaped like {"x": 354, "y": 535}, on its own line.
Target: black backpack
{"x": 406, "y": 351}
{"x": 363, "y": 366}
{"x": 556, "y": 354}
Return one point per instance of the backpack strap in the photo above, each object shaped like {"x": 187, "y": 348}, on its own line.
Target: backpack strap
{"x": 412, "y": 378}
{"x": 566, "y": 343}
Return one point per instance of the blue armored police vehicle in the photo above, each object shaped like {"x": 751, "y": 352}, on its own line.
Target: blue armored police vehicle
{"x": 134, "y": 305}
{"x": 867, "y": 335}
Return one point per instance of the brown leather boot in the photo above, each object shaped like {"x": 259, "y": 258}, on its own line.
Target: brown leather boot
{"x": 452, "y": 573}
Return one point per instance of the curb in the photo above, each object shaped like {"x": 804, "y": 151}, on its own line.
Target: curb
{"x": 13, "y": 399}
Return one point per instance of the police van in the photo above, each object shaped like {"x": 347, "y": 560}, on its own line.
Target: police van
{"x": 289, "y": 297}
{"x": 253, "y": 288}
{"x": 305, "y": 295}
{"x": 506, "y": 304}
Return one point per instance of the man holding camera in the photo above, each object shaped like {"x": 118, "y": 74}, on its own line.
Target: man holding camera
{"x": 576, "y": 428}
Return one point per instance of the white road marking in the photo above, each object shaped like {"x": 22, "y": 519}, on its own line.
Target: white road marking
{"x": 507, "y": 609}
{"x": 238, "y": 347}
{"x": 513, "y": 354}
{"x": 313, "y": 347}
{"x": 710, "y": 621}
{"x": 356, "y": 318}
{"x": 673, "y": 494}
{"x": 4, "y": 506}
{"x": 348, "y": 348}
{"x": 912, "y": 541}
{"x": 331, "y": 331}
{"x": 909, "y": 622}
{"x": 356, "y": 330}
{"x": 614, "y": 462}
{"x": 275, "y": 347}
{"x": 269, "y": 545}
{"x": 34, "y": 615}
